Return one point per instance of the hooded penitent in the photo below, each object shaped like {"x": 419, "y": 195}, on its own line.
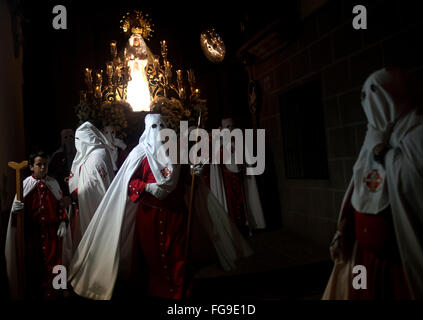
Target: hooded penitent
{"x": 394, "y": 117}
{"x": 106, "y": 247}
{"x": 91, "y": 174}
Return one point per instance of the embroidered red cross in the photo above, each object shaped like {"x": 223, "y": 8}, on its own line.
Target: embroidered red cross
{"x": 373, "y": 180}
{"x": 165, "y": 172}
{"x": 102, "y": 172}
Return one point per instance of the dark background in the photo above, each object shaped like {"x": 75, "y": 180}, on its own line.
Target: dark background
{"x": 54, "y": 60}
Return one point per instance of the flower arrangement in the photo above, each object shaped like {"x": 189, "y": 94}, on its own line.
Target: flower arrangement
{"x": 172, "y": 111}
{"x": 86, "y": 112}
{"x": 114, "y": 114}
{"x": 108, "y": 113}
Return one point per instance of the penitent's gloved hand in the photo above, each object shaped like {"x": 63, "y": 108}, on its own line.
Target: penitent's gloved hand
{"x": 61, "y": 231}
{"x": 17, "y": 206}
{"x": 337, "y": 247}
{"x": 197, "y": 169}
{"x": 156, "y": 191}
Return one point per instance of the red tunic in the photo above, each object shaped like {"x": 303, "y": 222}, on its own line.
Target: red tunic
{"x": 235, "y": 198}
{"x": 234, "y": 192}
{"x": 43, "y": 248}
{"x": 378, "y": 251}
{"x": 160, "y": 232}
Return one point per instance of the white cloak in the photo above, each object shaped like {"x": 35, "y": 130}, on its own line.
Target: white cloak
{"x": 228, "y": 242}
{"x": 92, "y": 174}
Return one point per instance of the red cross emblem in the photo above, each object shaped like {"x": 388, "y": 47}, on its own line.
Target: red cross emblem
{"x": 165, "y": 172}
{"x": 373, "y": 180}
{"x": 102, "y": 172}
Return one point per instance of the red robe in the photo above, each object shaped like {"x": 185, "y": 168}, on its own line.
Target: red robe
{"x": 235, "y": 198}
{"x": 378, "y": 251}
{"x": 234, "y": 192}
{"x": 160, "y": 233}
{"x": 43, "y": 248}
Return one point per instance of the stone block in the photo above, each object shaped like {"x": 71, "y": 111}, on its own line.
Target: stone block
{"x": 350, "y": 107}
{"x": 300, "y": 65}
{"x": 329, "y": 17}
{"x": 336, "y": 174}
{"x": 383, "y": 19}
{"x": 346, "y": 40}
{"x": 308, "y": 31}
{"x": 341, "y": 142}
{"x": 365, "y": 63}
{"x": 360, "y": 134}
{"x": 321, "y": 53}
{"x": 348, "y": 169}
{"x": 282, "y": 75}
{"x": 404, "y": 50}
{"x": 299, "y": 200}
{"x": 336, "y": 78}
{"x": 350, "y": 141}
{"x": 322, "y": 203}
{"x": 331, "y": 110}
{"x": 410, "y": 12}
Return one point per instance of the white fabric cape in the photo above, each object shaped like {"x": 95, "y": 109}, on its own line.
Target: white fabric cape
{"x": 108, "y": 238}
{"x": 10, "y": 249}
{"x": 93, "y": 173}
{"x": 92, "y": 186}
{"x": 405, "y": 187}
{"x": 227, "y": 240}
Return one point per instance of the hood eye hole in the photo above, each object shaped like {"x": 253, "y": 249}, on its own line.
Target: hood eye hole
{"x": 363, "y": 95}
{"x": 161, "y": 125}
{"x": 154, "y": 126}
{"x": 373, "y": 88}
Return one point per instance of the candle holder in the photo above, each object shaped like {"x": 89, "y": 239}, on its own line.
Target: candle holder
{"x": 113, "y": 49}
{"x": 88, "y": 80}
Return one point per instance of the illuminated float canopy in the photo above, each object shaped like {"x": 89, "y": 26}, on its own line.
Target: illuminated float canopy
{"x": 134, "y": 78}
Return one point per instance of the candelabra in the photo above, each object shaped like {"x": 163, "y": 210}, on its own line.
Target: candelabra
{"x": 131, "y": 65}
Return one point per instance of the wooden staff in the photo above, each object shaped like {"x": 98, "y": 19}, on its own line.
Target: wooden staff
{"x": 20, "y": 228}
{"x": 191, "y": 195}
